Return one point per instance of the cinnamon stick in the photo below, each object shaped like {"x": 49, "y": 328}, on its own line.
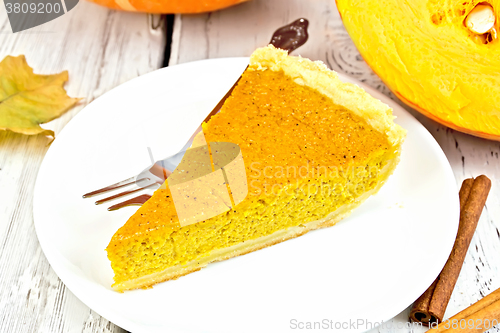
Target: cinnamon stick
{"x": 464, "y": 192}
{"x": 430, "y": 307}
{"x": 420, "y": 309}
{"x": 478, "y": 317}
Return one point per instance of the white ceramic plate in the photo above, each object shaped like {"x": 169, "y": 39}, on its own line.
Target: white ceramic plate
{"x": 367, "y": 268}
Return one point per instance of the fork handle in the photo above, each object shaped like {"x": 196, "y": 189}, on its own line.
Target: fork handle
{"x": 291, "y": 36}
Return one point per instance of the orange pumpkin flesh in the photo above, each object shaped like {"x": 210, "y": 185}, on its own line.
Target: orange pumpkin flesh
{"x": 426, "y": 55}
{"x": 168, "y": 6}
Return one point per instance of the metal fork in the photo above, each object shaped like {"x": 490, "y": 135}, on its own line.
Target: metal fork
{"x": 288, "y": 38}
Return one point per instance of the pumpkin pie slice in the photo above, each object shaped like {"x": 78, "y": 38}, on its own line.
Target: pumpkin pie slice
{"x": 310, "y": 149}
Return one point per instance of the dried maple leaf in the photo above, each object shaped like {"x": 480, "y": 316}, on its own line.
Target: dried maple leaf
{"x": 28, "y": 100}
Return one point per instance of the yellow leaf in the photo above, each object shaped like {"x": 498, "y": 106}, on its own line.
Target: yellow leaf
{"x": 28, "y": 100}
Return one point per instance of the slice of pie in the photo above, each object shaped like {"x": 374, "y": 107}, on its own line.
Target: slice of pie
{"x": 313, "y": 149}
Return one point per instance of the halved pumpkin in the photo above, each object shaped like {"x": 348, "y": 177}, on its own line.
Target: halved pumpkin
{"x": 433, "y": 57}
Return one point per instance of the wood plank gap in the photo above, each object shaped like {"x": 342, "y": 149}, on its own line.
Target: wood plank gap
{"x": 169, "y": 31}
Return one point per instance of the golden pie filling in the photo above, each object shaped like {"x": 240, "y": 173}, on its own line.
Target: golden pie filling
{"x": 313, "y": 148}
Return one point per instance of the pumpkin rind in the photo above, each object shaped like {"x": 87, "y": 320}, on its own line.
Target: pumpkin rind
{"x": 168, "y": 6}
{"x": 426, "y": 55}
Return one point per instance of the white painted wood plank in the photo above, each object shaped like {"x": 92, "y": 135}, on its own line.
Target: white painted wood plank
{"x": 237, "y": 31}
{"x": 101, "y": 49}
